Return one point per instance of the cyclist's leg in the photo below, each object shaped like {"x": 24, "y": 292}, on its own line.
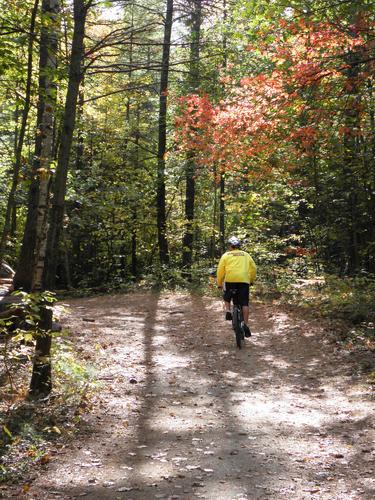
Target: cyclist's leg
{"x": 227, "y": 296}
{"x": 245, "y": 310}
{"x": 237, "y": 321}
{"x": 233, "y": 287}
{"x": 243, "y": 292}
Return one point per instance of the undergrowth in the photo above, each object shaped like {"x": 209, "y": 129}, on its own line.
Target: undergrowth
{"x": 32, "y": 430}
{"x": 348, "y": 299}
{"x": 299, "y": 282}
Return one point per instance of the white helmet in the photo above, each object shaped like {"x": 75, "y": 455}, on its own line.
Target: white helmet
{"x": 233, "y": 241}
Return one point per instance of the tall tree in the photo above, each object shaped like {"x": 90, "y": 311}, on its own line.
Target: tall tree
{"x": 60, "y": 182}
{"x": 31, "y": 263}
{"x": 222, "y": 175}
{"x": 162, "y": 138}
{"x": 10, "y": 209}
{"x": 194, "y": 82}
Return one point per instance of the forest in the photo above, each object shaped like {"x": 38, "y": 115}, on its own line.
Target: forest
{"x": 137, "y": 136}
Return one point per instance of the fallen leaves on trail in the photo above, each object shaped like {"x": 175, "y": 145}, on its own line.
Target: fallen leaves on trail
{"x": 54, "y": 429}
{"x": 127, "y": 488}
{"x": 45, "y": 459}
{"x": 197, "y": 419}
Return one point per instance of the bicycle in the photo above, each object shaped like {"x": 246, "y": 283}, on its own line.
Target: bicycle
{"x": 237, "y": 321}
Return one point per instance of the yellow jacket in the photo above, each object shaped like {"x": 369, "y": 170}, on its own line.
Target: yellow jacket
{"x": 236, "y": 266}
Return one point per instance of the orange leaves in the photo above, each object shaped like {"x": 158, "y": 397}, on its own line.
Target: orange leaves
{"x": 306, "y": 136}
{"x": 237, "y": 128}
{"x": 313, "y": 51}
{"x": 246, "y": 82}
{"x": 194, "y": 121}
{"x": 301, "y": 251}
{"x": 284, "y": 112}
{"x": 343, "y": 130}
{"x": 196, "y": 111}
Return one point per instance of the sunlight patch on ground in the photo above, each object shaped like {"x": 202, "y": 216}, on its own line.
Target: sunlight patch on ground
{"x": 277, "y": 362}
{"x": 263, "y": 410}
{"x": 169, "y": 421}
{"x": 159, "y": 328}
{"x": 182, "y": 417}
{"x": 230, "y": 374}
{"x": 155, "y": 471}
{"x": 226, "y": 490}
{"x": 281, "y": 321}
{"x": 168, "y": 361}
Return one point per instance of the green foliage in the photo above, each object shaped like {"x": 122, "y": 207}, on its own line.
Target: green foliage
{"x": 73, "y": 378}
{"x": 323, "y": 204}
{"x": 26, "y": 446}
{"x": 21, "y": 327}
{"x": 347, "y": 298}
{"x": 31, "y": 304}
{"x": 163, "y": 277}
{"x": 350, "y": 298}
{"x": 29, "y": 429}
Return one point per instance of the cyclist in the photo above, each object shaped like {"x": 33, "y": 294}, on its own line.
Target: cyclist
{"x": 236, "y": 270}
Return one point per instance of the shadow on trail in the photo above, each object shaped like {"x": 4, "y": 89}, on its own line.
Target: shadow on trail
{"x": 210, "y": 421}
{"x": 188, "y": 441}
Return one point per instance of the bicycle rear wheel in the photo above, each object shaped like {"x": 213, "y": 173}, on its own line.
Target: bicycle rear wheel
{"x": 236, "y": 321}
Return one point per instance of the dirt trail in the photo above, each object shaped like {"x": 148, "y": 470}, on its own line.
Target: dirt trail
{"x": 183, "y": 414}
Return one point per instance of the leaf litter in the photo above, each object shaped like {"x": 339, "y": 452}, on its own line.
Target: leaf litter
{"x": 259, "y": 445}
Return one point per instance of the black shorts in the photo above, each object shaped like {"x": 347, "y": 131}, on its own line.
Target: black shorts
{"x": 239, "y": 292}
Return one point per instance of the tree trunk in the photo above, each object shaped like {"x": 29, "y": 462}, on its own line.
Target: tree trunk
{"x": 187, "y": 254}
{"x": 59, "y": 190}
{"x": 80, "y": 148}
{"x": 188, "y": 239}
{"x": 10, "y": 210}
{"x": 134, "y": 202}
{"x": 162, "y": 141}
{"x": 31, "y": 260}
{"x": 134, "y": 262}
{"x": 212, "y": 248}
{"x": 222, "y": 213}
{"x": 222, "y": 177}
{"x": 369, "y": 161}
{"x": 41, "y": 379}
{"x": 350, "y": 160}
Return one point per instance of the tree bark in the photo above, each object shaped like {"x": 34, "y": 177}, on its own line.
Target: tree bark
{"x": 134, "y": 261}
{"x": 134, "y": 202}
{"x": 162, "y": 140}
{"x": 41, "y": 379}
{"x": 222, "y": 213}
{"x": 31, "y": 260}
{"x": 194, "y": 76}
{"x": 80, "y": 148}
{"x": 188, "y": 240}
{"x": 212, "y": 247}
{"x": 56, "y": 219}
{"x": 222, "y": 177}
{"x": 350, "y": 159}
{"x": 369, "y": 162}
{"x": 21, "y": 136}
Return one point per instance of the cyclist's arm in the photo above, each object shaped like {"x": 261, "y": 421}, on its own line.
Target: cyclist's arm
{"x": 252, "y": 270}
{"x": 221, "y": 271}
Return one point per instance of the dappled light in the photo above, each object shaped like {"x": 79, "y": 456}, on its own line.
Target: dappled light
{"x": 167, "y": 168}
{"x": 184, "y": 414}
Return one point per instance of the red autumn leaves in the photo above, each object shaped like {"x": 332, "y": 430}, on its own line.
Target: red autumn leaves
{"x": 290, "y": 109}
